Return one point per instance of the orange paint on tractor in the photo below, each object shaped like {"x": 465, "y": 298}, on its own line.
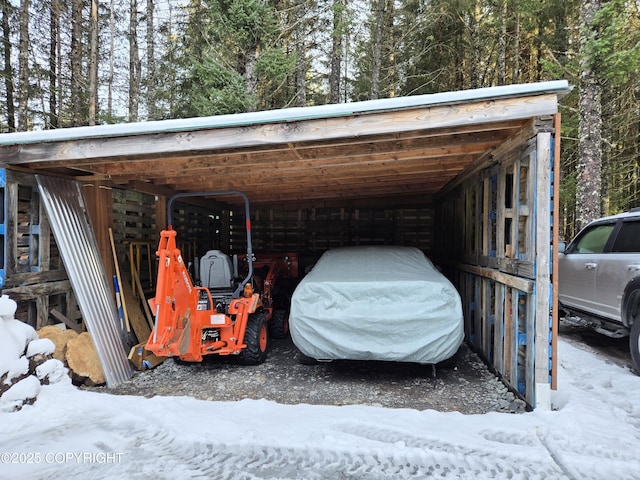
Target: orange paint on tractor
{"x": 180, "y": 317}
{"x": 190, "y": 322}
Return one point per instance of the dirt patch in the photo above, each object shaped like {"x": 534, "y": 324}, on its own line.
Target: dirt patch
{"x": 463, "y": 383}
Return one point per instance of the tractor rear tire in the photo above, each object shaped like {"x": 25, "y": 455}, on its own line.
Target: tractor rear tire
{"x": 279, "y": 324}
{"x": 256, "y": 339}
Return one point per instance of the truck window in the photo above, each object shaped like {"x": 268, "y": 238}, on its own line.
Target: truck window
{"x": 594, "y": 239}
{"x": 628, "y": 239}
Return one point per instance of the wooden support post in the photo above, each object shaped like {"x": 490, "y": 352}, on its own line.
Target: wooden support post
{"x": 11, "y": 226}
{"x": 542, "y": 250}
{"x": 498, "y": 332}
{"x": 42, "y": 311}
{"x": 554, "y": 259}
{"x": 485, "y": 217}
{"x": 509, "y": 336}
{"x": 99, "y": 202}
{"x": 161, "y": 215}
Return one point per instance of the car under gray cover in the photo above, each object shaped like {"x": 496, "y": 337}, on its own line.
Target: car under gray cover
{"x": 376, "y": 303}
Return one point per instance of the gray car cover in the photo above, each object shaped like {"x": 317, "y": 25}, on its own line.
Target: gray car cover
{"x": 376, "y": 303}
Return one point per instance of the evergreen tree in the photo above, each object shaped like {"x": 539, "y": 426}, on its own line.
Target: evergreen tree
{"x": 205, "y": 57}
{"x": 617, "y": 54}
{"x": 232, "y": 59}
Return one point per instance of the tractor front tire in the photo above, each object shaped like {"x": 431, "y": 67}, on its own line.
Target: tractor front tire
{"x": 256, "y": 339}
{"x": 279, "y": 324}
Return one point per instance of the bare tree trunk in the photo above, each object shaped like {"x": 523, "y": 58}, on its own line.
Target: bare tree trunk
{"x": 93, "y": 63}
{"x": 134, "y": 63}
{"x": 112, "y": 40}
{"x": 53, "y": 62}
{"x": 170, "y": 57}
{"x": 59, "y": 70}
{"x": 589, "y": 186}
{"x": 8, "y": 69}
{"x": 250, "y": 75}
{"x": 515, "y": 69}
{"x": 345, "y": 66}
{"x": 23, "y": 90}
{"x": 502, "y": 44}
{"x": 301, "y": 70}
{"x": 336, "y": 51}
{"x": 151, "y": 65}
{"x": 76, "y": 64}
{"x": 536, "y": 52}
{"x": 377, "y": 50}
{"x": 461, "y": 61}
{"x": 476, "y": 19}
{"x": 390, "y": 49}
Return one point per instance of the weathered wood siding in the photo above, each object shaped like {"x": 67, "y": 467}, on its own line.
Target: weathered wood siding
{"x": 32, "y": 272}
{"x": 494, "y": 236}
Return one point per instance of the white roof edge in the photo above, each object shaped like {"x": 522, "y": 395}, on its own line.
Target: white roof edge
{"x": 560, "y": 87}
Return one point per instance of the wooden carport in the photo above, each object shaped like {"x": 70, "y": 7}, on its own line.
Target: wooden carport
{"x": 401, "y": 151}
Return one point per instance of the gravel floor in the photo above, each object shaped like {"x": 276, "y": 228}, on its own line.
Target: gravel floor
{"x": 463, "y": 384}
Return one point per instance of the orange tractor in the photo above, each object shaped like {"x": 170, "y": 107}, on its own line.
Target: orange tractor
{"x": 229, "y": 313}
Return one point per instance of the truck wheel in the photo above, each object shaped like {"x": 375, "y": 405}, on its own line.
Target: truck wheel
{"x": 279, "y": 324}
{"x": 256, "y": 339}
{"x": 634, "y": 345}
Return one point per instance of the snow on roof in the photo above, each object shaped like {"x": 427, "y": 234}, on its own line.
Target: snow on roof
{"x": 560, "y": 87}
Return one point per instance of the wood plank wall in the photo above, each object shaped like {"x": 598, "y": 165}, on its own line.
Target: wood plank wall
{"x": 494, "y": 239}
{"x": 306, "y": 231}
{"x": 34, "y": 275}
{"x": 311, "y": 231}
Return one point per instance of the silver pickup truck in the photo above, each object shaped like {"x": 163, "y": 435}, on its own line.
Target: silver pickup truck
{"x": 599, "y": 278}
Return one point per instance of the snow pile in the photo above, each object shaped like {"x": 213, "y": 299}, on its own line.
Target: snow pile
{"x": 26, "y": 361}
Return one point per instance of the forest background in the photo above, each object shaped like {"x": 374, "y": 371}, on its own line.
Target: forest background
{"x": 87, "y": 62}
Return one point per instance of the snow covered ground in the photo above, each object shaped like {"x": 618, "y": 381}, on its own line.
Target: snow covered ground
{"x": 68, "y": 433}
{"x": 593, "y": 433}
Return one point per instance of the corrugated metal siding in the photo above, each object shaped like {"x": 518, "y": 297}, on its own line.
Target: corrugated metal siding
{"x": 78, "y": 247}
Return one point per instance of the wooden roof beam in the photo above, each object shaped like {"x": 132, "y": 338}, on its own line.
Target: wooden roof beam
{"x": 341, "y": 127}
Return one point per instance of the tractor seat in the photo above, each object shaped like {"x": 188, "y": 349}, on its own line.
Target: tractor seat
{"x": 216, "y": 270}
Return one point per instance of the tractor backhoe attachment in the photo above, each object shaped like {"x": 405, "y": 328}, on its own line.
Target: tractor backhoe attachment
{"x": 192, "y": 321}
